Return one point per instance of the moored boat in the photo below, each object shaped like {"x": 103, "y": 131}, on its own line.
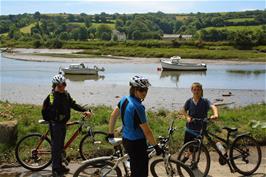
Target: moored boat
{"x": 174, "y": 64}
{"x": 81, "y": 69}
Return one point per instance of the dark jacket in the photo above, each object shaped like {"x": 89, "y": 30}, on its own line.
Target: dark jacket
{"x": 59, "y": 108}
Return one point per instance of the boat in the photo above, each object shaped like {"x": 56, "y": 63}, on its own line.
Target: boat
{"x": 80, "y": 78}
{"x": 174, "y": 64}
{"x": 81, "y": 69}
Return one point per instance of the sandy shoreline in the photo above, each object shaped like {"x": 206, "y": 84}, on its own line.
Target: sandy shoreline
{"x": 107, "y": 94}
{"x": 31, "y": 55}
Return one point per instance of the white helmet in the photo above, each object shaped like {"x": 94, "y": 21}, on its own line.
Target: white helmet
{"x": 58, "y": 79}
{"x": 139, "y": 81}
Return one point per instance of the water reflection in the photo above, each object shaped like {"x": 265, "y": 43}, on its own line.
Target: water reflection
{"x": 80, "y": 78}
{"x": 174, "y": 75}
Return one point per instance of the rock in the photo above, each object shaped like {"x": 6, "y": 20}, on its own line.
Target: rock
{"x": 8, "y": 132}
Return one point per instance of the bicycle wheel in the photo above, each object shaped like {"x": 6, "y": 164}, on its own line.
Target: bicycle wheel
{"x": 34, "y": 152}
{"x": 94, "y": 146}
{"x": 245, "y": 155}
{"x": 158, "y": 168}
{"x": 196, "y": 157}
{"x": 97, "y": 168}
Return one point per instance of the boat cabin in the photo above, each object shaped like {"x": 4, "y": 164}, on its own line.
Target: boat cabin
{"x": 175, "y": 59}
{"x": 77, "y": 66}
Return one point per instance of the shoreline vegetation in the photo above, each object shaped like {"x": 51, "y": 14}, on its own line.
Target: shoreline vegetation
{"x": 151, "y": 49}
{"x": 28, "y": 115}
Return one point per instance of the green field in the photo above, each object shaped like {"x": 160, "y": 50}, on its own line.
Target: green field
{"x": 236, "y": 28}
{"x": 240, "y": 19}
{"x": 27, "y": 29}
{"x": 95, "y": 25}
{"x": 181, "y": 17}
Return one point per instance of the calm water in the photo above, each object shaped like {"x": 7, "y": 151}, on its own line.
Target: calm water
{"x": 217, "y": 76}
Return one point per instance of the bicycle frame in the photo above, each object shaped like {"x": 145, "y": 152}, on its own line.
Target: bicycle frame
{"x": 210, "y": 136}
{"x": 70, "y": 141}
{"x": 120, "y": 157}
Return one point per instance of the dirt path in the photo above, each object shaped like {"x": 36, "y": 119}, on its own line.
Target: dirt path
{"x": 216, "y": 169}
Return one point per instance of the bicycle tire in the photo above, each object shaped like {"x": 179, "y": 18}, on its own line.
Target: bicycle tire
{"x": 96, "y": 164}
{"x": 198, "y": 169}
{"x": 22, "y": 145}
{"x": 236, "y": 148}
{"x": 176, "y": 163}
{"x": 95, "y": 145}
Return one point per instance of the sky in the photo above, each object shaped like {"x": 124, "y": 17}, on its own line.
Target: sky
{"x": 125, "y": 6}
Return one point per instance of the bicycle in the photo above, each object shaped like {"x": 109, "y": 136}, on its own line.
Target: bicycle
{"x": 241, "y": 150}
{"x": 33, "y": 151}
{"x": 110, "y": 165}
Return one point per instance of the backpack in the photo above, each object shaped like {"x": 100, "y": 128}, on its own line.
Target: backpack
{"x": 48, "y": 111}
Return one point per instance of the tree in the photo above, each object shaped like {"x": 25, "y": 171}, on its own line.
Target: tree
{"x": 14, "y": 33}
{"x": 71, "y": 18}
{"x": 75, "y": 34}
{"x": 96, "y": 18}
{"x": 136, "y": 35}
{"x": 177, "y": 26}
{"x": 83, "y": 33}
{"x": 244, "y": 39}
{"x": 262, "y": 36}
{"x": 37, "y": 15}
{"x": 106, "y": 36}
{"x": 103, "y": 29}
{"x": 103, "y": 17}
{"x": 88, "y": 22}
{"x": 119, "y": 23}
{"x": 37, "y": 44}
{"x": 63, "y": 36}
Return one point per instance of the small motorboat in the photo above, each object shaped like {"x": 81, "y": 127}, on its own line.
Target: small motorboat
{"x": 81, "y": 69}
{"x": 174, "y": 64}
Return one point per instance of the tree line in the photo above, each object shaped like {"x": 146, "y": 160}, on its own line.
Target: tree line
{"x": 52, "y": 29}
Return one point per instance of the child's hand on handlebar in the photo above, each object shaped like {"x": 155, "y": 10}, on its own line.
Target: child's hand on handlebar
{"x": 189, "y": 119}
{"x": 87, "y": 114}
{"x": 213, "y": 117}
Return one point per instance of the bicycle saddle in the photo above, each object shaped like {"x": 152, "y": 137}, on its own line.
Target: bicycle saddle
{"x": 230, "y": 129}
{"x": 41, "y": 121}
{"x": 115, "y": 141}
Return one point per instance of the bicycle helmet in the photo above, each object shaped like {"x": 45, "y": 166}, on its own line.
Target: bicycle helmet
{"x": 139, "y": 81}
{"x": 58, "y": 79}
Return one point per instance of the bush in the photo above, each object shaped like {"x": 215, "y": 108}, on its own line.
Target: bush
{"x": 37, "y": 44}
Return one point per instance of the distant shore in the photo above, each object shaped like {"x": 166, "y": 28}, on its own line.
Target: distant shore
{"x": 46, "y": 55}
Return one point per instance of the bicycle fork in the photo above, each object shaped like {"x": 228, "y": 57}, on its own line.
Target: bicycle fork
{"x": 168, "y": 166}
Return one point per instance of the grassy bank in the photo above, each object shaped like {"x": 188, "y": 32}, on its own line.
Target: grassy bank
{"x": 157, "y": 49}
{"x": 28, "y": 116}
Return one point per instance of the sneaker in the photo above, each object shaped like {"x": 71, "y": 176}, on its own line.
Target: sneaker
{"x": 64, "y": 169}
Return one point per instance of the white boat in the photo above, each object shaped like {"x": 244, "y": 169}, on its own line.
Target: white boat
{"x": 81, "y": 69}
{"x": 174, "y": 64}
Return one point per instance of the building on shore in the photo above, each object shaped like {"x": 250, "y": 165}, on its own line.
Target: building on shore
{"x": 176, "y": 36}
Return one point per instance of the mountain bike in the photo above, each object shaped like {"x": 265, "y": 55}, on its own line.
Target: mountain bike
{"x": 240, "y": 152}
{"x": 33, "y": 151}
{"x": 109, "y": 166}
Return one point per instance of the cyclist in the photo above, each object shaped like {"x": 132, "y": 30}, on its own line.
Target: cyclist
{"x": 135, "y": 129}
{"x": 196, "y": 107}
{"x": 56, "y": 110}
